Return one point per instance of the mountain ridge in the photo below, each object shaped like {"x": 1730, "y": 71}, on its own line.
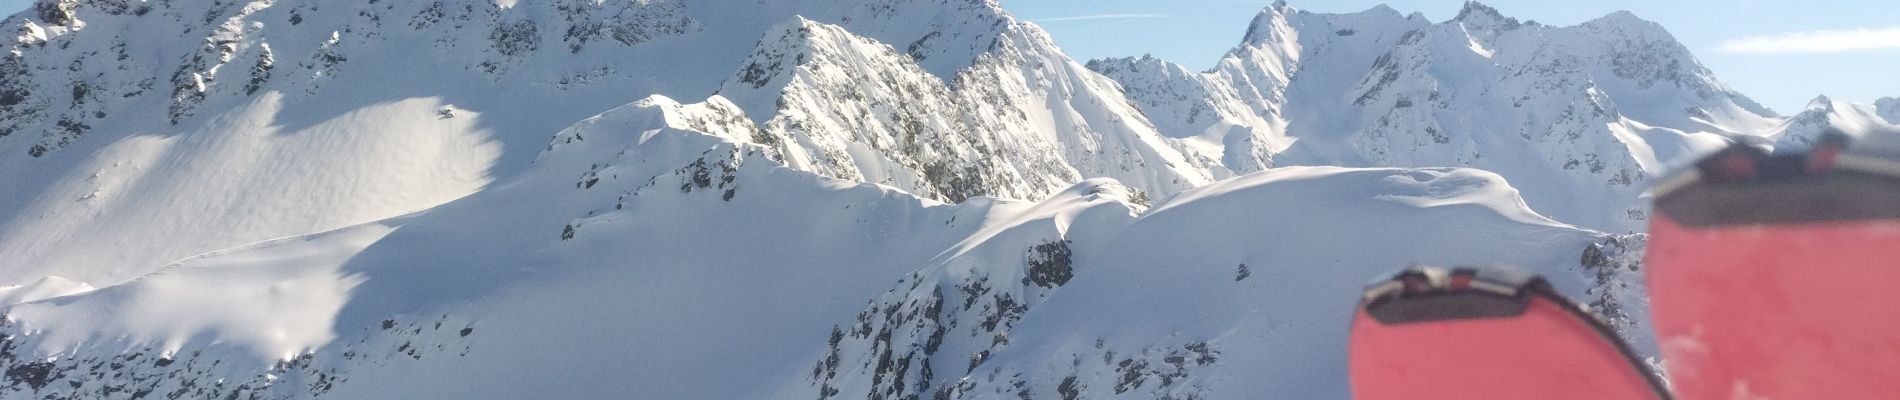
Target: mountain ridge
{"x": 1616, "y": 100}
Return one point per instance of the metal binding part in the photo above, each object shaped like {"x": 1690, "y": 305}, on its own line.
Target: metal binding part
{"x": 1869, "y": 164}
{"x": 1424, "y": 293}
{"x": 1747, "y": 185}
{"x": 1876, "y": 153}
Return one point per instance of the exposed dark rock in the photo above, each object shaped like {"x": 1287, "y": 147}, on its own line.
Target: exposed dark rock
{"x": 1050, "y": 264}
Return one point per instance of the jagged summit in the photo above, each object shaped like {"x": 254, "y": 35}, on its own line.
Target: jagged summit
{"x": 854, "y": 108}
{"x": 782, "y": 52}
{"x": 1474, "y": 11}
{"x": 1821, "y": 103}
{"x": 1484, "y": 21}
{"x": 1261, "y": 29}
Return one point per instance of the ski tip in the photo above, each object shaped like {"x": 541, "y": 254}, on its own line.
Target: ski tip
{"x": 1427, "y": 331}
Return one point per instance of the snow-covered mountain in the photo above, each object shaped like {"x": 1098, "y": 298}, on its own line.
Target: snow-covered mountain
{"x": 279, "y": 118}
{"x": 850, "y": 107}
{"x": 299, "y": 199}
{"x": 1825, "y": 115}
{"x": 1578, "y": 117}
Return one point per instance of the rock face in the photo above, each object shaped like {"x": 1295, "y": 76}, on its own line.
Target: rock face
{"x": 1578, "y": 117}
{"x": 849, "y": 107}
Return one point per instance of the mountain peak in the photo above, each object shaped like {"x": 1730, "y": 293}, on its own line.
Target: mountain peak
{"x": 1821, "y": 102}
{"x": 788, "y": 46}
{"x": 795, "y": 27}
{"x": 1625, "y": 18}
{"x": 1473, "y": 9}
{"x": 1623, "y": 15}
{"x": 796, "y": 20}
{"x": 1482, "y": 17}
{"x": 1265, "y": 26}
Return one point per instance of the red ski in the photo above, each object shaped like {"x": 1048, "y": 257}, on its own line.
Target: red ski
{"x": 1491, "y": 333}
{"x": 1773, "y": 276}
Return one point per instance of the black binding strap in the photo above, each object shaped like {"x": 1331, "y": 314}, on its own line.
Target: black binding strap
{"x": 1425, "y": 294}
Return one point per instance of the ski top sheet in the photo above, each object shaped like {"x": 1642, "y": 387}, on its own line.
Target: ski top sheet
{"x": 1773, "y": 276}
{"x": 1487, "y": 333}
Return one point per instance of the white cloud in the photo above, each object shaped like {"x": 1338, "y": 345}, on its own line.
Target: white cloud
{"x": 1103, "y": 17}
{"x": 1816, "y": 42}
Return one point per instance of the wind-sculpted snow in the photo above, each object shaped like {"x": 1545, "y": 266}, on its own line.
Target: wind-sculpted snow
{"x": 1232, "y": 290}
{"x": 1579, "y": 117}
{"x": 44, "y": 288}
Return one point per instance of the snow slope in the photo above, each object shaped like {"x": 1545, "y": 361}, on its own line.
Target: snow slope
{"x": 628, "y": 226}
{"x": 641, "y": 255}
{"x": 1273, "y": 264}
{"x": 1578, "y": 117}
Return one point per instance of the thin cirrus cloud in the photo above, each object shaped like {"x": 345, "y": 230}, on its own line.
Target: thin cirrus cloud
{"x": 1812, "y": 42}
{"x": 1097, "y": 17}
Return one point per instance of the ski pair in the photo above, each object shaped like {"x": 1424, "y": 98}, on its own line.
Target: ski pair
{"x": 1770, "y": 277}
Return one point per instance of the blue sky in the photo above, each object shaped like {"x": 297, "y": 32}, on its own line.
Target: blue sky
{"x": 1769, "y": 49}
